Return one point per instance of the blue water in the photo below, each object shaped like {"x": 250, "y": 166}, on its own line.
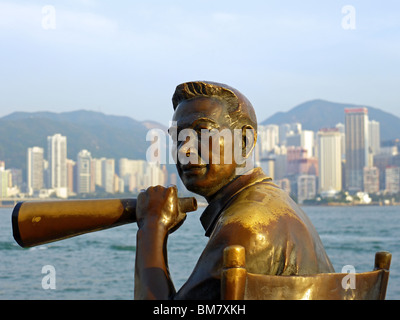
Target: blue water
{"x": 100, "y": 265}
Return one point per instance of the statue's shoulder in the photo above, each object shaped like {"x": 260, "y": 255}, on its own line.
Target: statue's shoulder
{"x": 264, "y": 196}
{"x": 260, "y": 204}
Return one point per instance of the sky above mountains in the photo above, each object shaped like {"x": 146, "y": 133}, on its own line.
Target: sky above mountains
{"x": 126, "y": 57}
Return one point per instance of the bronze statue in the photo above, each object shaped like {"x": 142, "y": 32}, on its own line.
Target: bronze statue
{"x": 244, "y": 206}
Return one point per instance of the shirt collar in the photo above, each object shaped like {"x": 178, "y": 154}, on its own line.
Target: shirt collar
{"x": 215, "y": 207}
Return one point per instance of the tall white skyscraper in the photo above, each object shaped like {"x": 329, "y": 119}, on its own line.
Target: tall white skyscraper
{"x": 357, "y": 147}
{"x": 341, "y": 129}
{"x": 4, "y": 180}
{"x": 374, "y": 136}
{"x": 98, "y": 171}
{"x": 330, "y": 160}
{"x": 107, "y": 174}
{"x": 57, "y": 158}
{"x": 304, "y": 139}
{"x": 83, "y": 173}
{"x": 35, "y": 169}
{"x": 268, "y": 138}
{"x": 133, "y": 173}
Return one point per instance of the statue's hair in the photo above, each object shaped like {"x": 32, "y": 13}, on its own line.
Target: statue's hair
{"x": 240, "y": 110}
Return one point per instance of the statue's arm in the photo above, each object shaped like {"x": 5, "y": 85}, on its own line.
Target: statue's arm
{"x": 152, "y": 279}
{"x": 157, "y": 213}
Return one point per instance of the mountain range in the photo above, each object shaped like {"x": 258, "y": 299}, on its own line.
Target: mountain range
{"x": 118, "y": 136}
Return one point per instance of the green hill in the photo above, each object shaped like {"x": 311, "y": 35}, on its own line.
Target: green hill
{"x": 103, "y": 135}
{"x": 317, "y": 114}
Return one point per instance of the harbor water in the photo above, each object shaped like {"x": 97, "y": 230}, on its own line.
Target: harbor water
{"x": 100, "y": 265}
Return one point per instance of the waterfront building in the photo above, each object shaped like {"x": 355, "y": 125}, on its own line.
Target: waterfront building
{"x": 341, "y": 129}
{"x": 280, "y": 165}
{"x": 71, "y": 177}
{"x": 357, "y": 147}
{"x": 108, "y": 172}
{"x": 330, "y": 160}
{"x": 57, "y": 169}
{"x": 392, "y": 179}
{"x": 371, "y": 180}
{"x": 303, "y": 139}
{"x": 154, "y": 175}
{"x": 306, "y": 187}
{"x": 34, "y": 169}
{"x": 83, "y": 172}
{"x": 298, "y": 162}
{"x": 5, "y": 177}
{"x": 133, "y": 173}
{"x": 97, "y": 171}
{"x": 268, "y": 138}
{"x": 284, "y": 130}
{"x": 374, "y": 136}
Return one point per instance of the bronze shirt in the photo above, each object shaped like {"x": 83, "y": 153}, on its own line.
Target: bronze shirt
{"x": 278, "y": 237}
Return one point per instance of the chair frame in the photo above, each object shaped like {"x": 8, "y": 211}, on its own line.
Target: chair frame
{"x": 238, "y": 284}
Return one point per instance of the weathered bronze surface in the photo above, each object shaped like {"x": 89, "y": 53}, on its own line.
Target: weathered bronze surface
{"x": 245, "y": 208}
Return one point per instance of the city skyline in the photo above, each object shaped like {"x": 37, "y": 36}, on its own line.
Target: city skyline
{"x": 66, "y": 177}
{"x": 303, "y": 162}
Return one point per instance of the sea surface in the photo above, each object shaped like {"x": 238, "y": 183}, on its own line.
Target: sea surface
{"x": 100, "y": 265}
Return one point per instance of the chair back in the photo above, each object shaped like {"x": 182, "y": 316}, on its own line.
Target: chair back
{"x": 238, "y": 284}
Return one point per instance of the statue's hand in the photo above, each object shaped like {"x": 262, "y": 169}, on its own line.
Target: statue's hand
{"x": 158, "y": 207}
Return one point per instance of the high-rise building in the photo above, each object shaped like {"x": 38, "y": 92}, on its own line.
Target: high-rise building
{"x": 392, "y": 179}
{"x": 98, "y": 171}
{"x": 299, "y": 163}
{"x": 16, "y": 178}
{"x": 304, "y": 139}
{"x": 330, "y": 160}
{"x": 268, "y": 138}
{"x": 71, "y": 179}
{"x": 341, "y": 129}
{"x": 386, "y": 158}
{"x": 83, "y": 172}
{"x": 5, "y": 176}
{"x": 34, "y": 170}
{"x": 374, "y": 136}
{"x": 57, "y": 158}
{"x": 357, "y": 147}
{"x": 284, "y": 130}
{"x": 107, "y": 174}
{"x": 280, "y": 166}
{"x": 371, "y": 179}
{"x": 154, "y": 175}
{"x": 133, "y": 172}
{"x": 306, "y": 187}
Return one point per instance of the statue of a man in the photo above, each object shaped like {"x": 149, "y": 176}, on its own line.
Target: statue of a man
{"x": 244, "y": 206}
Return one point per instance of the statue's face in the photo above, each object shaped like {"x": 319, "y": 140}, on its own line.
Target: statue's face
{"x": 201, "y": 164}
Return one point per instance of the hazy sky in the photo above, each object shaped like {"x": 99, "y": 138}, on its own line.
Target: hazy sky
{"x": 126, "y": 57}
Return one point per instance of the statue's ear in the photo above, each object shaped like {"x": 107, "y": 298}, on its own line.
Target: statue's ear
{"x": 249, "y": 139}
